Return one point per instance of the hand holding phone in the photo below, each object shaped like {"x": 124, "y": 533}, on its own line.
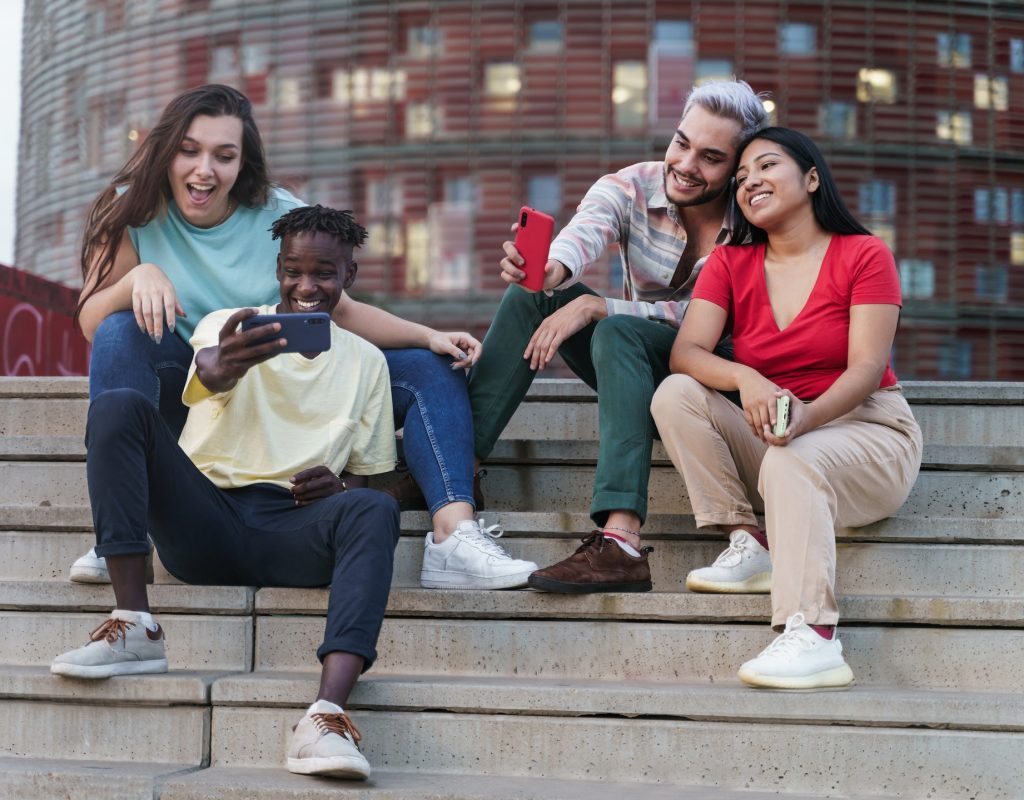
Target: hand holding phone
{"x": 781, "y": 415}
{"x": 533, "y": 238}
{"x": 305, "y": 333}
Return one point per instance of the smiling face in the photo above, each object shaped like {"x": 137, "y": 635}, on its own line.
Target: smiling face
{"x": 771, "y": 190}
{"x": 700, "y": 160}
{"x": 205, "y": 169}
{"x": 313, "y": 269}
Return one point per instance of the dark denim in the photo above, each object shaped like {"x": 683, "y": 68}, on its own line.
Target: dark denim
{"x": 140, "y": 478}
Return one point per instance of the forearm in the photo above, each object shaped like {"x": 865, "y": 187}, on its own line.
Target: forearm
{"x": 101, "y": 304}
{"x": 850, "y": 389}
{"x": 379, "y": 327}
{"x": 713, "y": 371}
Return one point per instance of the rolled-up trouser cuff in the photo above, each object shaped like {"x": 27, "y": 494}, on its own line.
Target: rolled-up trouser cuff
{"x": 369, "y": 655}
{"x": 123, "y": 549}
{"x": 606, "y": 502}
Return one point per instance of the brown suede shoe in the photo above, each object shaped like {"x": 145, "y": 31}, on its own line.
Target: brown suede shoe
{"x": 598, "y": 565}
{"x": 410, "y": 498}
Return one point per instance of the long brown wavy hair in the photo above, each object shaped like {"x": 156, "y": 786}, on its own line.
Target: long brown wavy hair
{"x": 144, "y": 177}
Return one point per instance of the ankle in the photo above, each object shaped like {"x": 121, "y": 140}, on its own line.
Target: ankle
{"x": 630, "y": 537}
{"x": 824, "y": 631}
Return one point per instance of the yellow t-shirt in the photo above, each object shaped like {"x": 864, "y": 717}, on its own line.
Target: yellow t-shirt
{"x": 291, "y": 413}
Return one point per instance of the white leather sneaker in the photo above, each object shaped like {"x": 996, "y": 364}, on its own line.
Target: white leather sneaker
{"x": 325, "y": 742}
{"x": 799, "y": 659}
{"x": 92, "y": 568}
{"x": 122, "y": 645}
{"x": 743, "y": 568}
{"x": 471, "y": 559}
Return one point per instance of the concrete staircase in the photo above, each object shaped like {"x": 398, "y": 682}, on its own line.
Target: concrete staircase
{"x": 481, "y": 695}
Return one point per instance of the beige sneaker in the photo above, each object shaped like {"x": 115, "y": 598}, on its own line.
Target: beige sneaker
{"x": 325, "y": 742}
{"x": 122, "y": 645}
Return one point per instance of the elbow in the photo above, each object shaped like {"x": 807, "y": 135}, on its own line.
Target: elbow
{"x": 679, "y": 360}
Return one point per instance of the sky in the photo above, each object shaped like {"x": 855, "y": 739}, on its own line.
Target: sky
{"x": 10, "y": 99}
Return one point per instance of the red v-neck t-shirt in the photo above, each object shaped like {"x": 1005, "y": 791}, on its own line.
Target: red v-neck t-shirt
{"x": 809, "y": 354}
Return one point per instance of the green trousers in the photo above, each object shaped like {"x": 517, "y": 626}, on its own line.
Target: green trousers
{"x": 623, "y": 358}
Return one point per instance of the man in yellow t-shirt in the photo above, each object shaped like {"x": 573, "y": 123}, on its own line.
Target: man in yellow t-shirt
{"x": 265, "y": 488}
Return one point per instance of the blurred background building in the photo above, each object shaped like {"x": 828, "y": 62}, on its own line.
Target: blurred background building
{"x": 435, "y": 121}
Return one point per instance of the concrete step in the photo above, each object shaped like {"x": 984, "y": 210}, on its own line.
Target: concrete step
{"x": 955, "y": 659}
{"x": 54, "y": 495}
{"x": 863, "y": 568}
{"x": 830, "y": 760}
{"x": 50, "y": 778}
{"x": 194, "y": 642}
{"x": 173, "y": 598}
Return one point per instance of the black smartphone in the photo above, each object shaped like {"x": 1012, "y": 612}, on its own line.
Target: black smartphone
{"x": 306, "y": 333}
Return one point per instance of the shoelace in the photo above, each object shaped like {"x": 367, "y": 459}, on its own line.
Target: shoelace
{"x": 733, "y": 554}
{"x": 792, "y": 641}
{"x": 111, "y": 630}
{"x": 340, "y": 724}
{"x": 484, "y": 538}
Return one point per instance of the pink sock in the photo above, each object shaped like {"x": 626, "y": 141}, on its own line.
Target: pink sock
{"x": 762, "y": 538}
{"x": 824, "y": 631}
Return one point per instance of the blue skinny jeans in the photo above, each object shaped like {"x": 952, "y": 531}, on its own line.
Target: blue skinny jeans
{"x": 429, "y": 400}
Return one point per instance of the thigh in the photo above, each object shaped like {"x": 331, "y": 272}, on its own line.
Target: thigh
{"x": 419, "y": 376}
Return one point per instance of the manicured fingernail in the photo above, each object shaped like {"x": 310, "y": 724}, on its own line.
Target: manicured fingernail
{"x": 462, "y": 356}
{"x": 158, "y": 337}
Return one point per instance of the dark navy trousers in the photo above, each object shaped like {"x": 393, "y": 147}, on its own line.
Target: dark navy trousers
{"x": 140, "y": 479}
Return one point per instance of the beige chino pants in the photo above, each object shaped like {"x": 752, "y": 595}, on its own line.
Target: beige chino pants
{"x": 855, "y": 470}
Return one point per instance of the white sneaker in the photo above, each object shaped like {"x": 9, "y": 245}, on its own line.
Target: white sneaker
{"x": 745, "y": 567}
{"x": 799, "y": 659}
{"x": 91, "y": 568}
{"x": 471, "y": 559}
{"x": 122, "y": 645}
{"x": 325, "y": 742}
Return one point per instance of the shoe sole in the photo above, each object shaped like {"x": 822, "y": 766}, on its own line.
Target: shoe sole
{"x": 334, "y": 767}
{"x": 445, "y": 580}
{"x": 761, "y": 583}
{"x": 563, "y": 587}
{"x": 835, "y": 678}
{"x": 152, "y": 667}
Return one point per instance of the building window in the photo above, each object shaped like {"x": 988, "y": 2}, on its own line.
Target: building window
{"x": 224, "y": 64}
{"x": 713, "y": 69}
{"x": 384, "y": 240}
{"x": 423, "y": 41}
{"x": 1017, "y": 206}
{"x": 422, "y": 120}
{"x": 674, "y": 34}
{"x": 501, "y": 79}
{"x": 954, "y": 49}
{"x": 876, "y": 86}
{"x": 991, "y": 283}
{"x": 629, "y": 95}
{"x": 544, "y": 193}
{"x": 1017, "y": 249}
{"x": 991, "y": 93}
{"x": 797, "y": 39}
{"x": 367, "y": 85}
{"x": 917, "y": 278}
{"x": 287, "y": 93}
{"x": 1017, "y": 55}
{"x": 955, "y": 360}
{"x": 461, "y": 189}
{"x": 991, "y": 205}
{"x": 878, "y": 198}
{"x": 384, "y": 197}
{"x": 838, "y": 120}
{"x": 417, "y": 255}
{"x": 545, "y": 36}
{"x": 954, "y": 126}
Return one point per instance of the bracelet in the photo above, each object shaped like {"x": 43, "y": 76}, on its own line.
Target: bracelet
{"x": 623, "y": 530}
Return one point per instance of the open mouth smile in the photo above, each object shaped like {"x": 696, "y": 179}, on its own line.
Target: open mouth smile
{"x": 757, "y": 198}
{"x": 199, "y": 193}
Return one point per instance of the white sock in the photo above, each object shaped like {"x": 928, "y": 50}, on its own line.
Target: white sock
{"x": 147, "y": 619}
{"x": 625, "y": 546}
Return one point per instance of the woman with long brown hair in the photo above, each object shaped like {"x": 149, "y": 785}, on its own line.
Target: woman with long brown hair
{"x": 183, "y": 230}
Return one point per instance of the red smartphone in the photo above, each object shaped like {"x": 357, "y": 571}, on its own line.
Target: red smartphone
{"x": 532, "y": 241}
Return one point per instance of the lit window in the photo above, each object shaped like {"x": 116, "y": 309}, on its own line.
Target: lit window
{"x": 709, "y": 70}
{"x": 502, "y": 80}
{"x": 384, "y": 196}
{"x": 876, "y": 86}
{"x": 254, "y": 59}
{"x": 423, "y": 41}
{"x": 954, "y": 49}
{"x": 991, "y": 283}
{"x": 838, "y": 120}
{"x": 991, "y": 93}
{"x": 1017, "y": 249}
{"x": 917, "y": 278}
{"x": 544, "y": 193}
{"x": 368, "y": 85}
{"x": 886, "y": 232}
{"x": 422, "y": 120}
{"x": 672, "y": 34}
{"x": 224, "y": 63}
{"x": 288, "y": 92}
{"x": 953, "y": 126}
{"x": 878, "y": 198}
{"x": 417, "y": 257}
{"x": 460, "y": 190}
{"x": 1016, "y": 55}
{"x": 991, "y": 205}
{"x": 629, "y": 95}
{"x": 545, "y": 36}
{"x": 383, "y": 240}
{"x": 797, "y": 39}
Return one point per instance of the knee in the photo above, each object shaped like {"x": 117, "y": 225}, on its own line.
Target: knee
{"x": 116, "y": 410}
{"x": 118, "y": 331}
{"x": 679, "y": 394}
{"x": 614, "y": 335}
{"x": 419, "y": 370}
{"x": 781, "y": 467}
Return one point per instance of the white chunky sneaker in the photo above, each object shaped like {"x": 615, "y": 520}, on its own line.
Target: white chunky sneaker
{"x": 122, "y": 645}
{"x": 742, "y": 568}
{"x": 471, "y": 559}
{"x": 325, "y": 742}
{"x": 799, "y": 659}
{"x": 92, "y": 568}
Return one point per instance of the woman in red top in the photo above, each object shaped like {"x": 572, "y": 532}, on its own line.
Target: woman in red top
{"x": 812, "y": 304}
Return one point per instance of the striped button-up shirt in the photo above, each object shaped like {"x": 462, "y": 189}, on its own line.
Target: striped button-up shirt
{"x": 630, "y": 209}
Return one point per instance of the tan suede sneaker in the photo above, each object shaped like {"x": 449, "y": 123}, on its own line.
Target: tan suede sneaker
{"x": 598, "y": 565}
{"x": 325, "y": 742}
{"x": 122, "y": 645}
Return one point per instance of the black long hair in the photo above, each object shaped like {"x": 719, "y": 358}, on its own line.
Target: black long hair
{"x": 829, "y": 209}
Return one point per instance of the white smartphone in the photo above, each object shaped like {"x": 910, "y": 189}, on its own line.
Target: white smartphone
{"x": 781, "y": 415}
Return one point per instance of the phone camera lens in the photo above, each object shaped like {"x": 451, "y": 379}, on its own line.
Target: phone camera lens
{"x": 522, "y": 220}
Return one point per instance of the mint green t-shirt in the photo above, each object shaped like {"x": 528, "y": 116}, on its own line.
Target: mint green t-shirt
{"x": 231, "y": 265}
